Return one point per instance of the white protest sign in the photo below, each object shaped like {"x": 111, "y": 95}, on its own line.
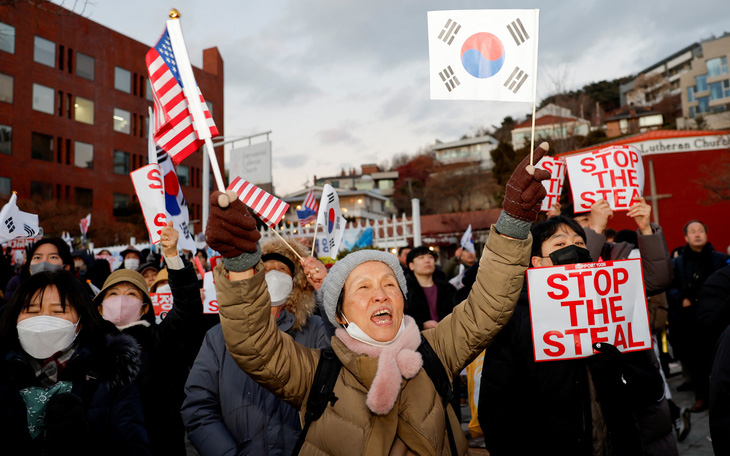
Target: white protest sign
{"x": 554, "y": 186}
{"x": 210, "y": 303}
{"x": 615, "y": 174}
{"x": 574, "y": 306}
{"x": 150, "y": 191}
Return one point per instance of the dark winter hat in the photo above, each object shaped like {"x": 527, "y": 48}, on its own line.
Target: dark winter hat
{"x": 334, "y": 282}
{"x": 131, "y": 249}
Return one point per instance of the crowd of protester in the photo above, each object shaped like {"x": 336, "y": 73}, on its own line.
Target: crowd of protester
{"x": 363, "y": 358}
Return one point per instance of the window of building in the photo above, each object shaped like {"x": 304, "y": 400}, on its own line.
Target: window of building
{"x": 44, "y": 52}
{"x": 703, "y": 105}
{"x": 43, "y": 190}
{"x": 690, "y": 93}
{"x": 6, "y": 88}
{"x": 84, "y": 111}
{"x": 122, "y": 120}
{"x": 716, "y": 92}
{"x": 209, "y": 104}
{"x": 6, "y": 139}
{"x": 41, "y": 147}
{"x": 386, "y": 184}
{"x": 717, "y": 66}
{"x": 726, "y": 87}
{"x": 701, "y": 83}
{"x": 692, "y": 112}
{"x": 122, "y": 80}
{"x": 84, "y": 66}
{"x": 121, "y": 162}
{"x": 5, "y": 188}
{"x": 7, "y": 38}
{"x": 121, "y": 204}
{"x": 183, "y": 174}
{"x": 43, "y": 98}
{"x": 83, "y": 155}
{"x": 84, "y": 197}
{"x": 148, "y": 92}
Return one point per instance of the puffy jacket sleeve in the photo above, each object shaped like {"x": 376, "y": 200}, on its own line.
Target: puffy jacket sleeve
{"x": 267, "y": 355}
{"x": 463, "y": 334}
{"x": 201, "y": 410}
{"x": 655, "y": 261}
{"x": 183, "y": 323}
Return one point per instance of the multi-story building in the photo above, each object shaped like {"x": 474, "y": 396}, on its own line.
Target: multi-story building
{"x": 706, "y": 87}
{"x": 660, "y": 80}
{"x": 466, "y": 150}
{"x": 632, "y": 119}
{"x": 551, "y": 122}
{"x": 371, "y": 183}
{"x": 74, "y": 99}
{"x": 357, "y": 204}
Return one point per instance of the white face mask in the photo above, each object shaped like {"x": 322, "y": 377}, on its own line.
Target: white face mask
{"x": 163, "y": 289}
{"x": 280, "y": 286}
{"x": 42, "y": 336}
{"x": 358, "y": 334}
{"x": 131, "y": 263}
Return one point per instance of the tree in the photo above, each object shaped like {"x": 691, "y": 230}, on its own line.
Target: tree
{"x": 459, "y": 188}
{"x": 411, "y": 182}
{"x": 503, "y": 157}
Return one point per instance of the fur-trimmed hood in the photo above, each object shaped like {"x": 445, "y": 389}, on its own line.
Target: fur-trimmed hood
{"x": 119, "y": 364}
{"x": 301, "y": 302}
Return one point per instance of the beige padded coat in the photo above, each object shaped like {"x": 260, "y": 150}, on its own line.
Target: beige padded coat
{"x": 416, "y": 424}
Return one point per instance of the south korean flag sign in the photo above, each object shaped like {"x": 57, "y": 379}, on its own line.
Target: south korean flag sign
{"x": 483, "y": 54}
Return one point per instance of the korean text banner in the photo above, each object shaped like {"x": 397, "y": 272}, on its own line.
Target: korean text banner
{"x": 615, "y": 174}
{"x": 574, "y": 306}
{"x": 483, "y": 54}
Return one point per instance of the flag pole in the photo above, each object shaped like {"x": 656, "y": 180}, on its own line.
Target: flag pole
{"x": 314, "y": 240}
{"x": 287, "y": 244}
{"x": 192, "y": 93}
{"x": 531, "y": 168}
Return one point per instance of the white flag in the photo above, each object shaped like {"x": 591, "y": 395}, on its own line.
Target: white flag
{"x": 15, "y": 223}
{"x": 84, "y": 224}
{"x": 467, "y": 241}
{"x": 483, "y": 54}
{"x": 150, "y": 190}
{"x": 331, "y": 219}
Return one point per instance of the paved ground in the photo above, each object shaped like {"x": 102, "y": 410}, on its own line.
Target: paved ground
{"x": 697, "y": 442}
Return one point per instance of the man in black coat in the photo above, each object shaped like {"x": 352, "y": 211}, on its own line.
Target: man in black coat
{"x": 430, "y": 298}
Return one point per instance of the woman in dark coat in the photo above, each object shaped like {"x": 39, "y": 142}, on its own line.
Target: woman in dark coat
{"x": 66, "y": 385}
{"x": 168, "y": 348}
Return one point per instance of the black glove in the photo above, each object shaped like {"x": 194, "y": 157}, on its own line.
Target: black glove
{"x": 66, "y": 424}
{"x": 607, "y": 366}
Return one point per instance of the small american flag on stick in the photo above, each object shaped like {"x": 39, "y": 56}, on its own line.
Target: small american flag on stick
{"x": 269, "y": 208}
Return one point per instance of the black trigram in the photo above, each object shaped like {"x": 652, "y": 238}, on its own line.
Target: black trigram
{"x": 332, "y": 243}
{"x": 30, "y": 231}
{"x": 331, "y": 198}
{"x": 449, "y": 32}
{"x": 518, "y": 32}
{"x": 515, "y": 80}
{"x": 448, "y": 78}
{"x": 9, "y": 223}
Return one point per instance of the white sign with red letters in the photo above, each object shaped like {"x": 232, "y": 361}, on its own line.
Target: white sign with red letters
{"x": 574, "y": 306}
{"x": 210, "y": 302}
{"x": 150, "y": 190}
{"x": 554, "y": 186}
{"x": 615, "y": 174}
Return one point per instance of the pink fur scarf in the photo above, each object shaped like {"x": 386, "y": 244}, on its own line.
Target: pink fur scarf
{"x": 395, "y": 361}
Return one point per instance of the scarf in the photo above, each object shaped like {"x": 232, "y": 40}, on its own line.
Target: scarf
{"x": 396, "y": 361}
{"x": 36, "y": 400}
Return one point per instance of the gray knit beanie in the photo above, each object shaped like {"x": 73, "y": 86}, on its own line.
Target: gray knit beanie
{"x": 334, "y": 282}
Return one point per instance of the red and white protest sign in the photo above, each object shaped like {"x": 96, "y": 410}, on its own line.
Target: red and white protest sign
{"x": 150, "y": 191}
{"x": 574, "y": 306}
{"x": 615, "y": 174}
{"x": 210, "y": 302}
{"x": 162, "y": 303}
{"x": 17, "y": 247}
{"x": 554, "y": 186}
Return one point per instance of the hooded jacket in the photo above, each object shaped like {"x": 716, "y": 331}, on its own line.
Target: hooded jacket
{"x": 415, "y": 424}
{"x": 101, "y": 415}
{"x": 225, "y": 411}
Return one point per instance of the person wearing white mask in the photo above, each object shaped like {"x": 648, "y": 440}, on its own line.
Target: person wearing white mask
{"x": 59, "y": 394}
{"x": 222, "y": 400}
{"x": 131, "y": 258}
{"x": 168, "y": 348}
{"x": 383, "y": 401}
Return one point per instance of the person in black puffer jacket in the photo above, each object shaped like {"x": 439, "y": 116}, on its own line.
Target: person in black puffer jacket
{"x": 72, "y": 393}
{"x": 168, "y": 348}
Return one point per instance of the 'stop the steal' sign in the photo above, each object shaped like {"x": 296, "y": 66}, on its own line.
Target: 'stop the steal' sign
{"x": 615, "y": 174}
{"x": 574, "y": 306}
{"x": 553, "y": 186}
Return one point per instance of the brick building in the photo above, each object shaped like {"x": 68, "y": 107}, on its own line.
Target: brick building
{"x": 74, "y": 99}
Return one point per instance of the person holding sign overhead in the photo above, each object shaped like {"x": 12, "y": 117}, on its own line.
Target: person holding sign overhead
{"x": 583, "y": 406}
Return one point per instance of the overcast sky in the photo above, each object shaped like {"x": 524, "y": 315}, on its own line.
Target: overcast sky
{"x": 341, "y": 82}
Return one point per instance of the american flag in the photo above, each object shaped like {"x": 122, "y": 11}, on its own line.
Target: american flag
{"x": 174, "y": 129}
{"x": 269, "y": 208}
{"x": 309, "y": 213}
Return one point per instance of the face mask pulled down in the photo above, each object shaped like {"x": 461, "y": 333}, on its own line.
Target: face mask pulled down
{"x": 43, "y": 336}
{"x": 280, "y": 287}
{"x": 358, "y": 334}
{"x": 122, "y": 310}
